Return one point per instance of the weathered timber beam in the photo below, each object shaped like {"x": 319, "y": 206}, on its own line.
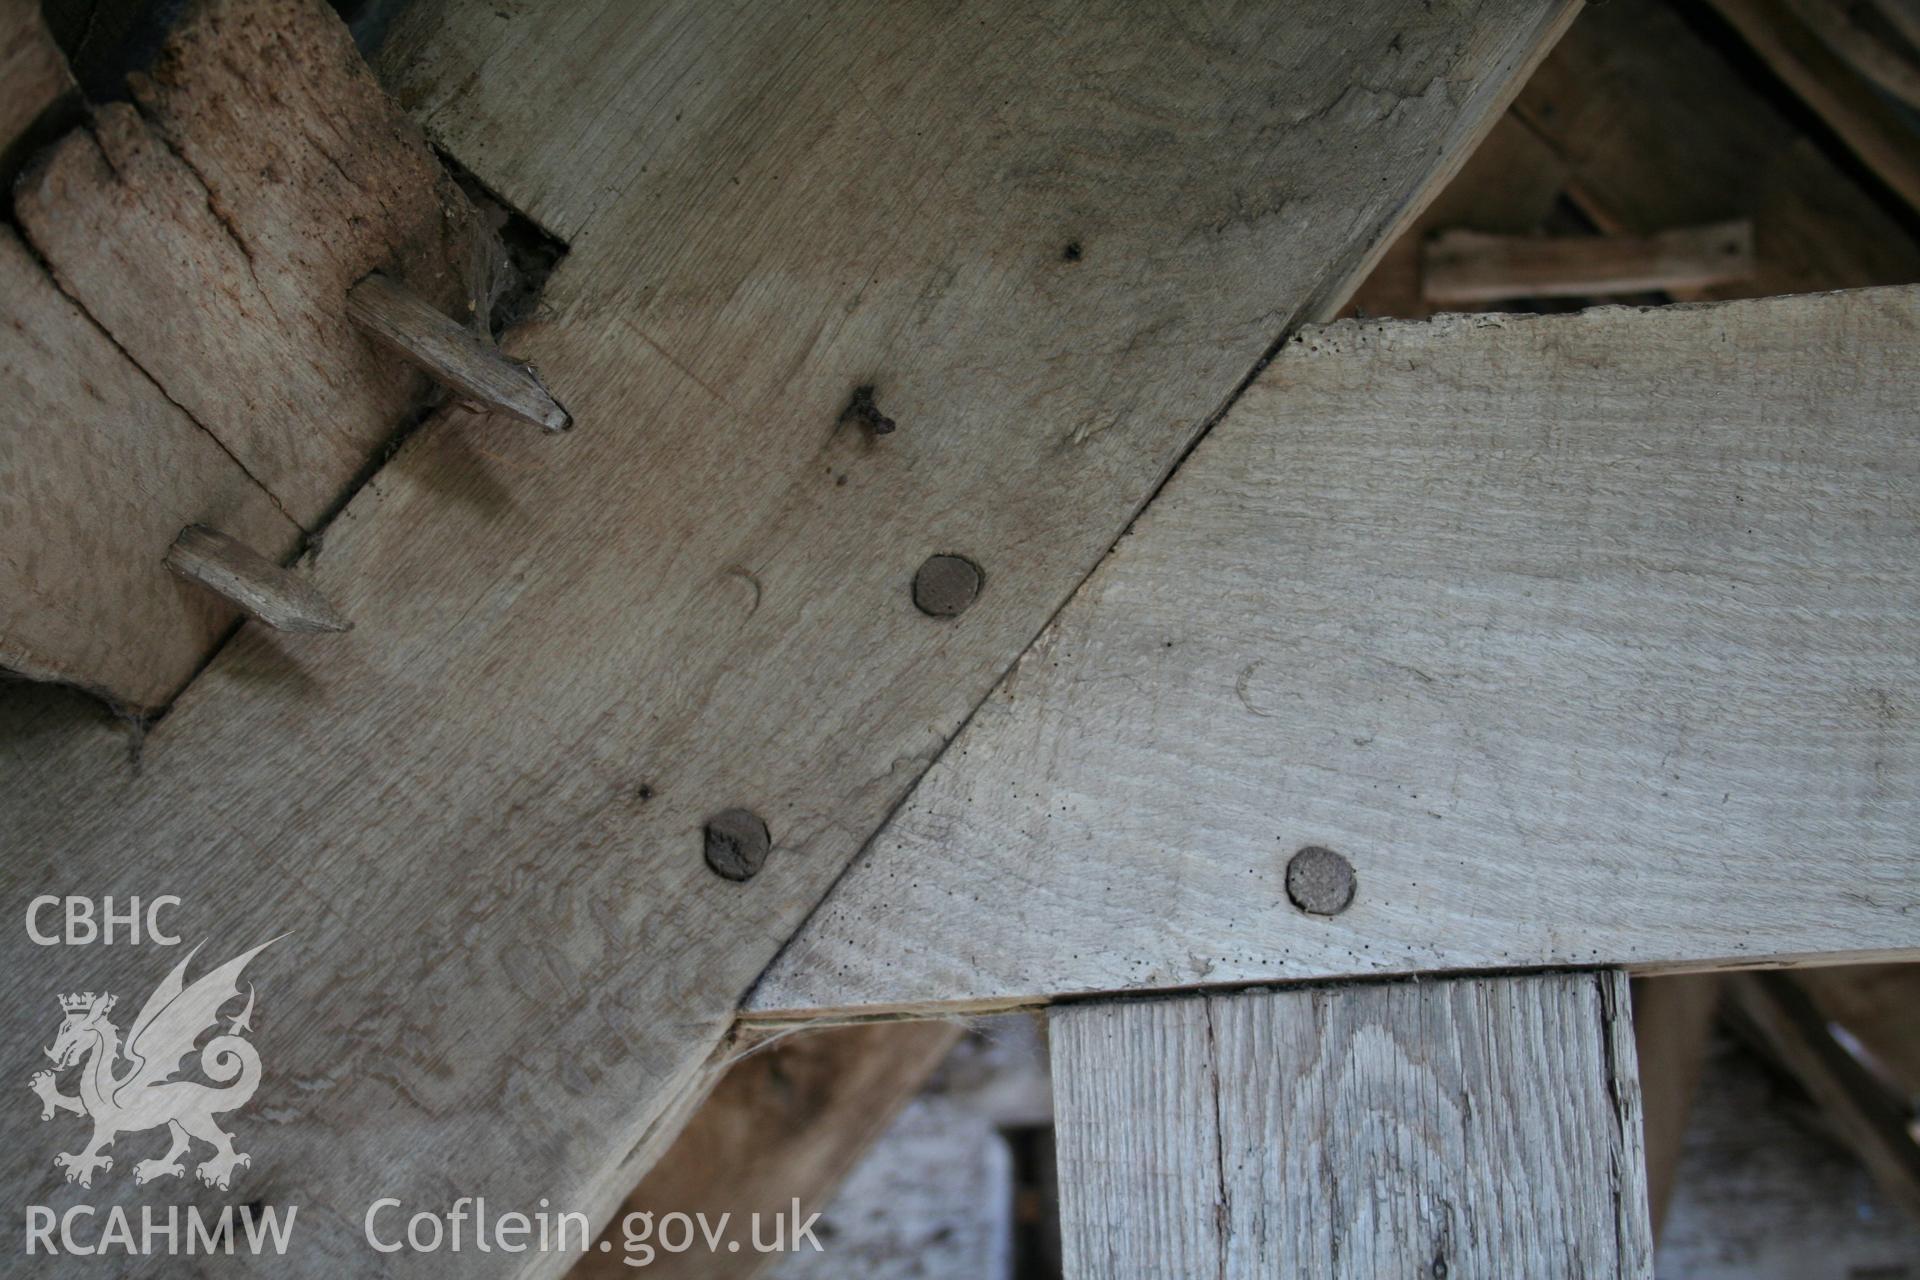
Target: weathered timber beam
{"x": 1461, "y": 267}
{"x": 507, "y": 937}
{"x": 195, "y": 253}
{"x": 1580, "y": 639}
{"x": 1459, "y": 1127}
{"x": 1868, "y": 37}
{"x": 98, "y": 472}
{"x": 215, "y": 230}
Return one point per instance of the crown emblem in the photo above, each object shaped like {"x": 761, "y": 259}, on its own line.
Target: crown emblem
{"x": 81, "y": 1001}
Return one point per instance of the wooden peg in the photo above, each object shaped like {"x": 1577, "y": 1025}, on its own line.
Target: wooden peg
{"x": 407, "y": 324}
{"x": 256, "y": 585}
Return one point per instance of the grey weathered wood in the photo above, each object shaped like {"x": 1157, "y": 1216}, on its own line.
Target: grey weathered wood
{"x": 452, "y": 354}
{"x": 98, "y": 472}
{"x": 562, "y": 667}
{"x": 1589, "y": 638}
{"x": 215, "y": 230}
{"x": 252, "y": 583}
{"x": 1458, "y": 1127}
{"x": 1460, "y": 266}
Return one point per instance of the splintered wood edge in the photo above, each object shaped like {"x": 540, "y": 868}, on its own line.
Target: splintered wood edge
{"x": 409, "y": 326}
{"x": 251, "y": 582}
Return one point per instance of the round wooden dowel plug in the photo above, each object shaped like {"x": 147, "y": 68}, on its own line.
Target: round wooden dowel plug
{"x": 1320, "y": 881}
{"x": 737, "y": 844}
{"x": 946, "y": 585}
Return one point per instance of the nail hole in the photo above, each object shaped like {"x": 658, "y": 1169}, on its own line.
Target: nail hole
{"x": 863, "y": 410}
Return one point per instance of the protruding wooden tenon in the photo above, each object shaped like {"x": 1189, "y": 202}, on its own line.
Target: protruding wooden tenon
{"x": 251, "y": 582}
{"x": 405, "y": 323}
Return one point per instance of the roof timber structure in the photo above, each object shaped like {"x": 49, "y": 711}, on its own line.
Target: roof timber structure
{"x": 1580, "y": 642}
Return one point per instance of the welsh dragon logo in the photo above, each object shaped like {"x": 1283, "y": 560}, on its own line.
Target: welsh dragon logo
{"x": 143, "y": 1093}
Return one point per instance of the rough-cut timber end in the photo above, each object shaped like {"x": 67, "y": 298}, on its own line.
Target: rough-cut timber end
{"x": 262, "y": 589}
{"x": 413, "y": 328}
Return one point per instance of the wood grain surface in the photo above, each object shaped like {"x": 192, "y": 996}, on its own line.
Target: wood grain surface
{"x": 1459, "y": 1127}
{"x": 481, "y": 809}
{"x": 251, "y": 582}
{"x": 1584, "y": 639}
{"x": 99, "y": 472}
{"x": 214, "y": 230}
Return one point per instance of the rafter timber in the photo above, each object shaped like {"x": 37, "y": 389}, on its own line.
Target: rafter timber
{"x": 1583, "y": 639}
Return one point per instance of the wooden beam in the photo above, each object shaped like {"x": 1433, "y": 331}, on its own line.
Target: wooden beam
{"x": 1790, "y": 1028}
{"x": 1877, "y": 39}
{"x": 1867, "y": 122}
{"x": 214, "y": 231}
{"x": 1673, "y": 1020}
{"x": 1579, "y": 638}
{"x": 1658, "y": 130}
{"x": 98, "y": 472}
{"x": 1473, "y": 1126}
{"x": 1460, "y": 267}
{"x": 563, "y": 667}
{"x": 786, "y": 1123}
{"x": 206, "y": 241}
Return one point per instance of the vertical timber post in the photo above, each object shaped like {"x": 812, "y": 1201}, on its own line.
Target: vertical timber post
{"x": 1452, "y": 1128}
